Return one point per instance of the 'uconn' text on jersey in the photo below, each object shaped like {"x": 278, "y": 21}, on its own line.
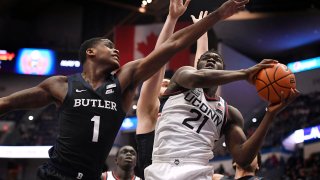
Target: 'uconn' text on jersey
{"x": 193, "y": 99}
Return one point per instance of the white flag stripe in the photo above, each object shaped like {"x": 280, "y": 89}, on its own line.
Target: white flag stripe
{"x": 141, "y": 34}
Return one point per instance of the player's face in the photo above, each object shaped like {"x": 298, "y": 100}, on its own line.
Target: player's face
{"x": 164, "y": 86}
{"x": 126, "y": 157}
{"x": 254, "y": 163}
{"x": 210, "y": 60}
{"x": 106, "y": 53}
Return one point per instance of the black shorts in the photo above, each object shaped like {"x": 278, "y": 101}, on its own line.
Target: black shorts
{"x": 48, "y": 172}
{"x": 144, "y": 149}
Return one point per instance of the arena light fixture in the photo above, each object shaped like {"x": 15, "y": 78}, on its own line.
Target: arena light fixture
{"x": 300, "y": 136}
{"x": 304, "y": 65}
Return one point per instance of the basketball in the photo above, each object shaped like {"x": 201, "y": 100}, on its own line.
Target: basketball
{"x": 270, "y": 82}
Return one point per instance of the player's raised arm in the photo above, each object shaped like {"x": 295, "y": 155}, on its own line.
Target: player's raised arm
{"x": 202, "y": 42}
{"x": 45, "y": 93}
{"x": 207, "y": 77}
{"x": 148, "y": 102}
{"x": 244, "y": 151}
{"x": 142, "y": 69}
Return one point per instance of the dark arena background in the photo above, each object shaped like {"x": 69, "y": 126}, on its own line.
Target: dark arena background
{"x": 49, "y": 33}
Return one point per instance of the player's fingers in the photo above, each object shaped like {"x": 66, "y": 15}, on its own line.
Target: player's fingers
{"x": 261, "y": 66}
{"x": 205, "y": 14}
{"x": 241, "y": 8}
{"x": 241, "y": 2}
{"x": 186, "y": 4}
{"x": 282, "y": 97}
{"x": 268, "y": 61}
{"x": 200, "y": 14}
{"x": 193, "y": 18}
{"x": 293, "y": 95}
{"x": 295, "y": 92}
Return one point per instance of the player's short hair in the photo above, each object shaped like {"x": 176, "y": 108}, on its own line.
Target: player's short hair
{"x": 211, "y": 51}
{"x": 89, "y": 44}
{"x": 117, "y": 154}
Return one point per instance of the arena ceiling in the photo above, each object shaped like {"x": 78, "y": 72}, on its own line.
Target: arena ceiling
{"x": 284, "y": 29}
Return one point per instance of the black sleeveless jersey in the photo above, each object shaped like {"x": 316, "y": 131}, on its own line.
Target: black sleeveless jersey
{"x": 89, "y": 121}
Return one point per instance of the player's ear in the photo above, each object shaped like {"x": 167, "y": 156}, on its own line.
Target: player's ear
{"x": 90, "y": 51}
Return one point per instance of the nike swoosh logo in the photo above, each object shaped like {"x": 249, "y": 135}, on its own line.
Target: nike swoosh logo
{"x": 80, "y": 90}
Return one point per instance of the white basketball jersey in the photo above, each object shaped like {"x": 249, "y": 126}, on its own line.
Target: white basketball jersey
{"x": 188, "y": 126}
{"x": 109, "y": 175}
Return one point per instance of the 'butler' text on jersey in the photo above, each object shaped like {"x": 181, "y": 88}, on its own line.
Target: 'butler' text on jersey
{"x": 95, "y": 103}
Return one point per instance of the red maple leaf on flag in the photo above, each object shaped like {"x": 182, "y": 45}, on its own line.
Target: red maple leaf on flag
{"x": 147, "y": 48}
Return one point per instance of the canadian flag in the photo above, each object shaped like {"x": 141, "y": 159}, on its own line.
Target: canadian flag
{"x": 138, "y": 41}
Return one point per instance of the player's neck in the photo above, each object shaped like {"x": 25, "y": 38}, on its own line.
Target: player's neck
{"x": 93, "y": 78}
{"x": 242, "y": 173}
{"x": 95, "y": 72}
{"x": 123, "y": 175}
{"x": 210, "y": 92}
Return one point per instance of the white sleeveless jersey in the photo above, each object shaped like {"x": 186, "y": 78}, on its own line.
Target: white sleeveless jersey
{"x": 188, "y": 126}
{"x": 109, "y": 175}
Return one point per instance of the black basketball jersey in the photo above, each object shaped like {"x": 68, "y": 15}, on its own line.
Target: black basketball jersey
{"x": 89, "y": 121}
{"x": 242, "y": 178}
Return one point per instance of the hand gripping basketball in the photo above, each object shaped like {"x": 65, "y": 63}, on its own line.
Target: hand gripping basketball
{"x": 274, "y": 82}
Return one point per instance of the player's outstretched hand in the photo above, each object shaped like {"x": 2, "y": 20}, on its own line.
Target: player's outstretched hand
{"x": 201, "y": 15}
{"x": 231, "y": 7}
{"x": 278, "y": 107}
{"x": 177, "y": 8}
{"x": 252, "y": 71}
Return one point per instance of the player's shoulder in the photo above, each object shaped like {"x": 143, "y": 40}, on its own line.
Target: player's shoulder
{"x": 233, "y": 109}
{"x": 54, "y": 80}
{"x": 182, "y": 70}
{"x": 235, "y": 116}
{"x": 58, "y": 78}
{"x": 186, "y": 68}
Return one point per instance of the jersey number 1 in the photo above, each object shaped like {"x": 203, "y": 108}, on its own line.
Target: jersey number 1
{"x": 96, "y": 120}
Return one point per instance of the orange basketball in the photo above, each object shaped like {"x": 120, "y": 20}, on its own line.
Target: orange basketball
{"x": 271, "y": 82}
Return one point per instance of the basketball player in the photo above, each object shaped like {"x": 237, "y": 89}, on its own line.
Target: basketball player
{"x": 193, "y": 118}
{"x": 148, "y": 103}
{"x": 94, "y": 103}
{"x": 125, "y": 163}
{"x": 243, "y": 173}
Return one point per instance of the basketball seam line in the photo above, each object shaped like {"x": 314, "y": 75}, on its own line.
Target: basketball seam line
{"x": 274, "y": 78}
{"x": 280, "y": 84}
{"x": 273, "y": 82}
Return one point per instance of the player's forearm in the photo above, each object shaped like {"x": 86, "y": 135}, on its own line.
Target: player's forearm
{"x": 251, "y": 147}
{"x": 207, "y": 78}
{"x": 27, "y": 99}
{"x": 167, "y": 30}
{"x": 4, "y": 106}
{"x": 151, "y": 87}
{"x": 202, "y": 47}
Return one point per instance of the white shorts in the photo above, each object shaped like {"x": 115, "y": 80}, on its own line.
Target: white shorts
{"x": 178, "y": 170}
